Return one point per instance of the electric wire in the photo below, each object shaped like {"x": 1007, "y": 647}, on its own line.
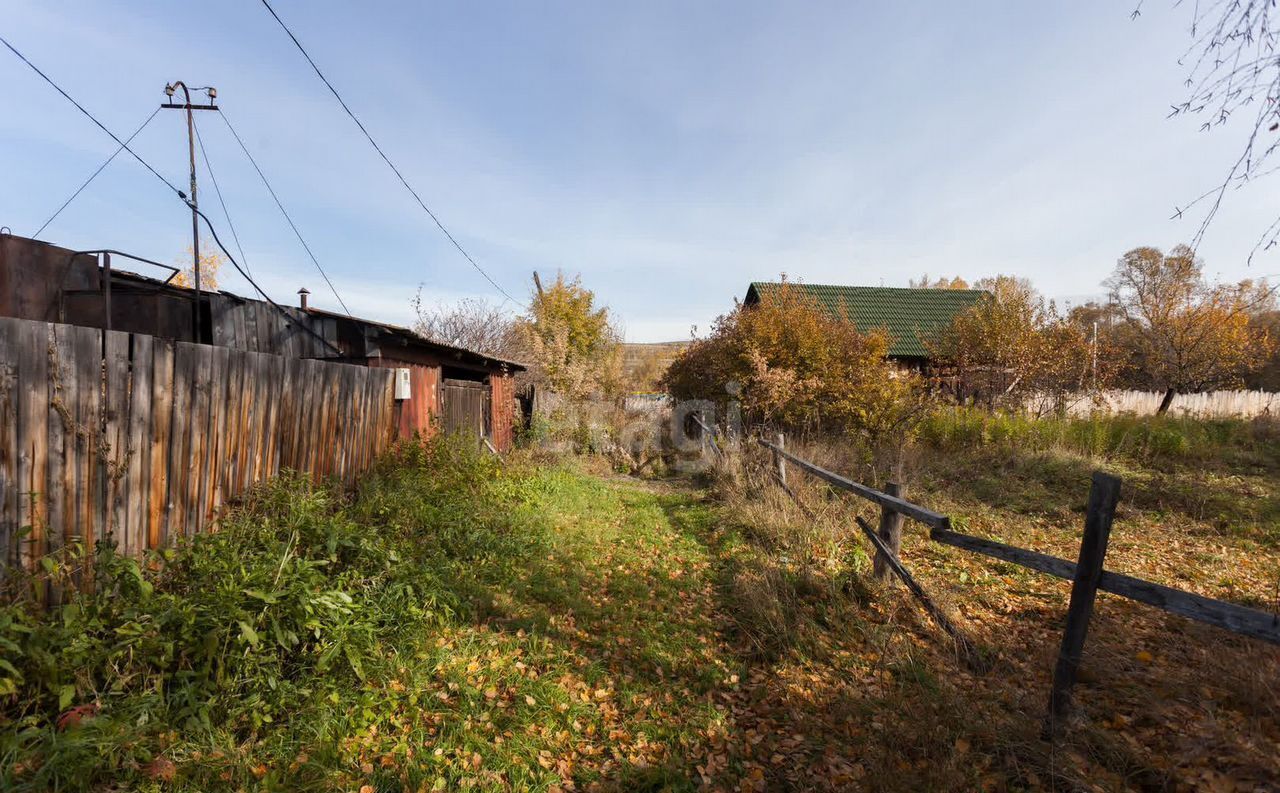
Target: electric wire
{"x": 283, "y": 211}
{"x": 218, "y": 191}
{"x": 94, "y": 175}
{"x": 181, "y": 196}
{"x": 385, "y": 158}
{"x": 91, "y": 117}
{"x": 208, "y": 223}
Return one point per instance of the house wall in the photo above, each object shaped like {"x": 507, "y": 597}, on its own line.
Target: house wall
{"x": 418, "y": 413}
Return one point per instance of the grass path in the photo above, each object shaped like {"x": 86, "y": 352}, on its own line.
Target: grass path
{"x": 609, "y": 662}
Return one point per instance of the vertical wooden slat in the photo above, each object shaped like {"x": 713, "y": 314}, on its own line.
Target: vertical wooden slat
{"x": 181, "y": 441}
{"x": 161, "y": 423}
{"x": 259, "y": 416}
{"x": 91, "y": 509}
{"x": 116, "y": 460}
{"x": 140, "y": 423}
{"x": 219, "y": 402}
{"x": 237, "y": 445}
{"x": 62, "y": 436}
{"x": 199, "y": 481}
{"x": 33, "y": 416}
{"x": 9, "y": 482}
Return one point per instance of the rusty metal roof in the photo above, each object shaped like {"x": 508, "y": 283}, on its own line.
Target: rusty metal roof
{"x": 411, "y": 337}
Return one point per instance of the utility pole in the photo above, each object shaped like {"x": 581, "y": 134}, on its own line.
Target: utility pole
{"x": 195, "y": 218}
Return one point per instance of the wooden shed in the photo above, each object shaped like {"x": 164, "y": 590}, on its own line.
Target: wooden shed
{"x": 448, "y": 388}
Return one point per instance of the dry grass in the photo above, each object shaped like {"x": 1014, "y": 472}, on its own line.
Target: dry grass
{"x": 1163, "y": 703}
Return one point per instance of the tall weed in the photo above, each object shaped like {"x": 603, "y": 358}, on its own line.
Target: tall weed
{"x": 300, "y": 594}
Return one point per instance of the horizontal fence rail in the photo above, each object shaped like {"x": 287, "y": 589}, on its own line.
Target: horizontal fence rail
{"x": 106, "y": 433}
{"x": 1087, "y": 575}
{"x": 914, "y": 511}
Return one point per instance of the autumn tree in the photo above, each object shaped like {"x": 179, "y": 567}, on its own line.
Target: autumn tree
{"x": 1011, "y": 345}
{"x": 943, "y": 282}
{"x": 1181, "y": 334}
{"x": 791, "y": 364}
{"x": 571, "y": 343}
{"x": 211, "y": 262}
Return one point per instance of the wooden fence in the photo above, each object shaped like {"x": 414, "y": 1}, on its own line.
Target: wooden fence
{"x": 1086, "y": 574}
{"x": 110, "y": 433}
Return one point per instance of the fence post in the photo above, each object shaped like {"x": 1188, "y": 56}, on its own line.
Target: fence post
{"x": 890, "y": 531}
{"x": 779, "y": 461}
{"x": 1103, "y": 495}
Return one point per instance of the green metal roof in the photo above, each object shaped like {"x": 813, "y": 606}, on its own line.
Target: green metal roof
{"x": 911, "y": 316}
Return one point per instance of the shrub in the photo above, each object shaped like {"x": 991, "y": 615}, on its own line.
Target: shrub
{"x": 790, "y": 364}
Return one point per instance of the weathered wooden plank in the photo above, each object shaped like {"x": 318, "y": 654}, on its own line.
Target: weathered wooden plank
{"x": 200, "y": 410}
{"x": 1035, "y": 560}
{"x": 10, "y": 332}
{"x": 90, "y": 483}
{"x": 890, "y": 531}
{"x": 1104, "y": 494}
{"x": 237, "y": 445}
{"x": 116, "y": 428}
{"x": 62, "y": 437}
{"x": 182, "y": 446}
{"x": 914, "y": 511}
{"x": 219, "y": 407}
{"x": 289, "y": 426}
{"x": 260, "y": 416}
{"x": 161, "y": 428}
{"x": 138, "y": 478}
{"x": 1231, "y": 616}
{"x": 883, "y": 550}
{"x": 278, "y": 416}
{"x": 33, "y": 417}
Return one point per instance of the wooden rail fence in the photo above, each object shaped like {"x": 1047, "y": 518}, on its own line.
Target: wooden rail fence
{"x": 104, "y": 433}
{"x": 1086, "y": 574}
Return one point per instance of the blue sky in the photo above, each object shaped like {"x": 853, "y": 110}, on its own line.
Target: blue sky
{"x": 668, "y": 152}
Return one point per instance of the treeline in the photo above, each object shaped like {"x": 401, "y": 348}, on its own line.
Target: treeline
{"x": 788, "y": 362}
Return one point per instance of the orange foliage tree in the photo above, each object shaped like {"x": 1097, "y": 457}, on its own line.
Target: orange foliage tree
{"x": 1180, "y": 334}
{"x": 210, "y": 264}
{"x": 791, "y": 364}
{"x": 1012, "y": 346}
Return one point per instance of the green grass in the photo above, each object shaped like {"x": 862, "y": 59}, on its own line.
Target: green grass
{"x": 464, "y": 622}
{"x": 456, "y": 622}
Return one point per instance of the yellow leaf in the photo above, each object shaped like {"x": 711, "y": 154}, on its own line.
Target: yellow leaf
{"x": 1145, "y": 657}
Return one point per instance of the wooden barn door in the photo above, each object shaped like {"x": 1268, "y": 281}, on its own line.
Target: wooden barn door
{"x": 466, "y": 407}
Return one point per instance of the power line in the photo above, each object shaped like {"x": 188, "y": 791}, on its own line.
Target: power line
{"x": 218, "y": 191}
{"x": 384, "y": 156}
{"x": 94, "y": 175}
{"x": 90, "y": 116}
{"x": 305, "y": 326}
{"x": 283, "y": 211}
{"x": 181, "y": 196}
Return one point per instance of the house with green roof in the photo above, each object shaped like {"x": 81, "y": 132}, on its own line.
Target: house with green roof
{"x": 911, "y": 317}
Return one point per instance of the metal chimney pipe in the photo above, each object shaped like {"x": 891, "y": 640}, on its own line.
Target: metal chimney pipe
{"x": 302, "y": 298}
